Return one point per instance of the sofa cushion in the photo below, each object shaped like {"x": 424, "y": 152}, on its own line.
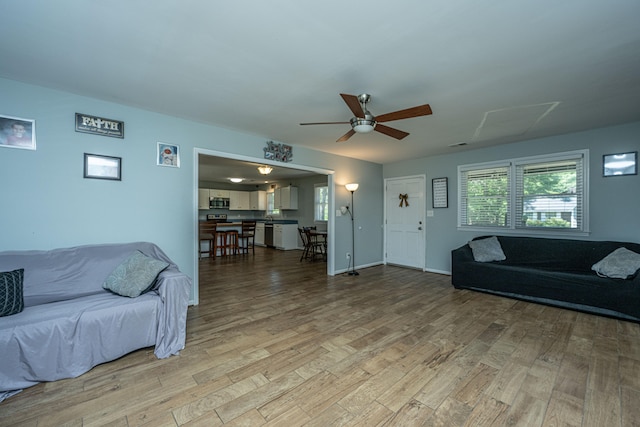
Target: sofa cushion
{"x": 619, "y": 264}
{"x": 135, "y": 275}
{"x": 11, "y": 292}
{"x": 486, "y": 250}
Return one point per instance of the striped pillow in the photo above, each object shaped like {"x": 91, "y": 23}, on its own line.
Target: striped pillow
{"x": 11, "y": 300}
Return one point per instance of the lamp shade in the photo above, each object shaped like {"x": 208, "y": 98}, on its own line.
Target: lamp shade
{"x": 265, "y": 170}
{"x": 352, "y": 187}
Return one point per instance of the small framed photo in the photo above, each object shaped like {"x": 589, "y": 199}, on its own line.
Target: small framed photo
{"x": 620, "y": 164}
{"x": 17, "y": 133}
{"x": 102, "y": 167}
{"x": 168, "y": 155}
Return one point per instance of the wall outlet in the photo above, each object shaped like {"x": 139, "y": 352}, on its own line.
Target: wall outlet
{"x": 348, "y": 256}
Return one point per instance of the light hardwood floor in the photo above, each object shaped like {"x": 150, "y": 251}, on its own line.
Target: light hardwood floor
{"x": 276, "y": 342}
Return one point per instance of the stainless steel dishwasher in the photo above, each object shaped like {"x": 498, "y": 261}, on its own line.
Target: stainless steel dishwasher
{"x": 268, "y": 235}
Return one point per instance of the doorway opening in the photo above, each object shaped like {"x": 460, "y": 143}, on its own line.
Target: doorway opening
{"x": 241, "y": 159}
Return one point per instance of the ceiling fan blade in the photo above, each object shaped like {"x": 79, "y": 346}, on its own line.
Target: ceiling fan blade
{"x": 346, "y": 136}
{"x": 325, "y": 123}
{"x": 393, "y": 133}
{"x": 353, "y": 104}
{"x": 422, "y": 110}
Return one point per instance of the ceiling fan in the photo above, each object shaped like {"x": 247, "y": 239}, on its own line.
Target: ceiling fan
{"x": 364, "y": 121}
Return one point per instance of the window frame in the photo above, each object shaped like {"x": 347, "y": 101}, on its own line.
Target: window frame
{"x": 515, "y": 193}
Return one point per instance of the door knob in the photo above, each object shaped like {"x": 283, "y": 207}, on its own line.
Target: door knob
{"x": 419, "y": 228}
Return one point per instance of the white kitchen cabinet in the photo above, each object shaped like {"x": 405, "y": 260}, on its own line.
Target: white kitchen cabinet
{"x": 259, "y": 234}
{"x": 203, "y": 198}
{"x": 285, "y": 236}
{"x": 286, "y": 198}
{"x": 258, "y": 200}
{"x": 239, "y": 200}
{"x": 219, "y": 194}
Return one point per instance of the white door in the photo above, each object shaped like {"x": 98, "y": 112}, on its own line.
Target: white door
{"x": 404, "y": 221}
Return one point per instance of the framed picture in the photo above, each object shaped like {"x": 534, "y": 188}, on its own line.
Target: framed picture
{"x": 102, "y": 167}
{"x": 168, "y": 155}
{"x": 440, "y": 192}
{"x": 17, "y": 133}
{"x": 620, "y": 164}
{"x": 99, "y": 126}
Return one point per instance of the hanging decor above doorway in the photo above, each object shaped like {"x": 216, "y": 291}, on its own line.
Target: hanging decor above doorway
{"x": 278, "y": 152}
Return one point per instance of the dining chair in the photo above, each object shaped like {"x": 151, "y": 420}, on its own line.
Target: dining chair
{"x": 305, "y": 243}
{"x": 315, "y": 246}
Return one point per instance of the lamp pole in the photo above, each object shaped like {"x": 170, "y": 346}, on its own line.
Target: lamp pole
{"x": 352, "y": 188}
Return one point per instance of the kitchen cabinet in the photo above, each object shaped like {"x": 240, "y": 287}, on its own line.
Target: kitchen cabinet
{"x": 285, "y": 236}
{"x": 239, "y": 200}
{"x": 220, "y": 194}
{"x": 258, "y": 200}
{"x": 286, "y": 198}
{"x": 259, "y": 234}
{"x": 203, "y": 198}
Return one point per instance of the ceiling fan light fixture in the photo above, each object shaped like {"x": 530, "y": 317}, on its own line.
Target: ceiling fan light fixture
{"x": 265, "y": 170}
{"x": 361, "y": 125}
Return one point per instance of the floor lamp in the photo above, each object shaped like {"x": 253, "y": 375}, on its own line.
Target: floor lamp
{"x": 352, "y": 187}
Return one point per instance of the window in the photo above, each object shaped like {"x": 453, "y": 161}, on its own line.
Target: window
{"x": 321, "y": 203}
{"x": 271, "y": 201}
{"x": 486, "y": 197}
{"x": 536, "y": 193}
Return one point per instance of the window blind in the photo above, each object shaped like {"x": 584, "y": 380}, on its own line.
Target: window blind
{"x": 485, "y": 197}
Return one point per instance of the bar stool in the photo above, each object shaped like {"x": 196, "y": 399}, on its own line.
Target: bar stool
{"x": 207, "y": 233}
{"x": 231, "y": 243}
{"x": 247, "y": 236}
{"x": 220, "y": 241}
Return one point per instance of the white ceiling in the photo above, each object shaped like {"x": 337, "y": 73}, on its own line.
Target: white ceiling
{"x": 493, "y": 71}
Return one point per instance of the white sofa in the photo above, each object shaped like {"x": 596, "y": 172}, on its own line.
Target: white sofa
{"x": 70, "y": 323}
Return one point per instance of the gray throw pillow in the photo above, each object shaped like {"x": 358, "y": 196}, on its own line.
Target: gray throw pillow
{"x": 487, "y": 250}
{"x": 619, "y": 264}
{"x": 11, "y": 292}
{"x": 135, "y": 275}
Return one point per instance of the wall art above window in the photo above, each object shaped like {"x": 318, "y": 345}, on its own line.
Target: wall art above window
{"x": 17, "y": 133}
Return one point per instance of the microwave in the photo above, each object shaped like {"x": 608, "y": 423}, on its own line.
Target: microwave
{"x": 218, "y": 203}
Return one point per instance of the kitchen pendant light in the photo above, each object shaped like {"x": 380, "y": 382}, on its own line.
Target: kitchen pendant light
{"x": 265, "y": 170}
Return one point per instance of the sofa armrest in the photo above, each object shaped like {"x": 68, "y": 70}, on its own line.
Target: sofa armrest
{"x": 461, "y": 258}
{"x": 174, "y": 288}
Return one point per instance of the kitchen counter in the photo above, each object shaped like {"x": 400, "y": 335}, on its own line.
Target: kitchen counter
{"x": 278, "y": 221}
{"x": 238, "y": 222}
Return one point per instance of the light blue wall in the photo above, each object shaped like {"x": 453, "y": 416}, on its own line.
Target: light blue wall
{"x": 46, "y": 202}
{"x": 614, "y": 202}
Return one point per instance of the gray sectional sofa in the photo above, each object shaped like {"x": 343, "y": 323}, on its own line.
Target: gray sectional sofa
{"x": 71, "y": 323}
{"x": 556, "y": 272}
